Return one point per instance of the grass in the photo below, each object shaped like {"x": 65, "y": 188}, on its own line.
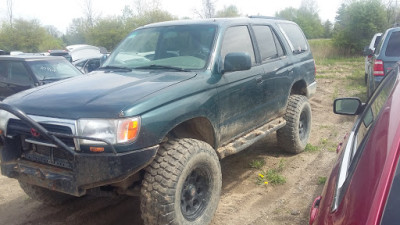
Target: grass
{"x": 272, "y": 176}
{"x": 257, "y": 163}
{"x": 321, "y": 180}
{"x": 311, "y": 148}
{"x": 333, "y": 64}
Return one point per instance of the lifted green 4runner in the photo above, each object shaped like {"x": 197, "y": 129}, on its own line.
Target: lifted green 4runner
{"x": 172, "y": 100}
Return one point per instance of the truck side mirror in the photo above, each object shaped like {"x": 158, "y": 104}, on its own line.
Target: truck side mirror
{"x": 237, "y": 61}
{"x": 348, "y": 106}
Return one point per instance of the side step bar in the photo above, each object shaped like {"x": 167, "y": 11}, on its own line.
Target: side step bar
{"x": 245, "y": 141}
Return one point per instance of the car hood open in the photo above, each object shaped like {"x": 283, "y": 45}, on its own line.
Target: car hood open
{"x": 101, "y": 94}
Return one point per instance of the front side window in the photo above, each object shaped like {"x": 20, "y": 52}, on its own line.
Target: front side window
{"x": 18, "y": 74}
{"x": 181, "y": 46}
{"x": 237, "y": 39}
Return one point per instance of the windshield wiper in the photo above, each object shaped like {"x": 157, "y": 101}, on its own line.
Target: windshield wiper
{"x": 114, "y": 68}
{"x": 154, "y": 66}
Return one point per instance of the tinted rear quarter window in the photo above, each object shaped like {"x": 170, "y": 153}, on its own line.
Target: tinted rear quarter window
{"x": 393, "y": 46}
{"x": 295, "y": 37}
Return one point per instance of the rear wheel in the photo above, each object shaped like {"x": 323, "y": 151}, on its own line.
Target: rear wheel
{"x": 44, "y": 195}
{"x": 293, "y": 137}
{"x": 182, "y": 185}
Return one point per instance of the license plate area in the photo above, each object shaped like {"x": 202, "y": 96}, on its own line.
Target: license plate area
{"x": 47, "y": 155}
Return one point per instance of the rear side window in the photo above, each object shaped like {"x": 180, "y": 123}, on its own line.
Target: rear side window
{"x": 295, "y": 37}
{"x": 268, "y": 44}
{"x": 393, "y": 46}
{"x": 237, "y": 39}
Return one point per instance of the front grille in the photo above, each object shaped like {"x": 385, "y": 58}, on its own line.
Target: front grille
{"x": 18, "y": 127}
{"x": 39, "y": 149}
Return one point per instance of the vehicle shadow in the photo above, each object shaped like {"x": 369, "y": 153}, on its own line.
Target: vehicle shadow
{"x": 87, "y": 210}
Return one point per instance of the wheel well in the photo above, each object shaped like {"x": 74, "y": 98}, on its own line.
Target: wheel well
{"x": 196, "y": 128}
{"x": 299, "y": 88}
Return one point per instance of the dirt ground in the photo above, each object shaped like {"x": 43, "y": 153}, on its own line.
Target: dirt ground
{"x": 243, "y": 201}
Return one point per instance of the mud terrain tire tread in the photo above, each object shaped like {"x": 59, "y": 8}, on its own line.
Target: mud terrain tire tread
{"x": 164, "y": 179}
{"x": 288, "y": 136}
{"x": 46, "y": 196}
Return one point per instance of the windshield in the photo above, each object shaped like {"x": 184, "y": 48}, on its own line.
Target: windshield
{"x": 181, "y": 46}
{"x": 53, "y": 69}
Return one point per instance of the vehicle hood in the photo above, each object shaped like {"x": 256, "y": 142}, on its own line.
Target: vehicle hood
{"x": 100, "y": 94}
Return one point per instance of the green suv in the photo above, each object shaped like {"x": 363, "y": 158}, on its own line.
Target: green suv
{"x": 169, "y": 103}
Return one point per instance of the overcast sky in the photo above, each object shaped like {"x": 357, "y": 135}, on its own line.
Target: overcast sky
{"x": 61, "y": 12}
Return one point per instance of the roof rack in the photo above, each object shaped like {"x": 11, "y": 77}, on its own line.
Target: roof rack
{"x": 265, "y": 17}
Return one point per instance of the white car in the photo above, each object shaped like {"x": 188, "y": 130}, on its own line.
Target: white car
{"x": 372, "y": 45}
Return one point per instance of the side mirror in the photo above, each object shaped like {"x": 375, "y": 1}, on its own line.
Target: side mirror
{"x": 103, "y": 59}
{"x": 348, "y": 106}
{"x": 237, "y": 61}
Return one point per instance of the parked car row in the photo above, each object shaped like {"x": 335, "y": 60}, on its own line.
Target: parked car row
{"x": 18, "y": 73}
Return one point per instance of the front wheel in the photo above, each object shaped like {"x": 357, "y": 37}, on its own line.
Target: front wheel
{"x": 293, "y": 137}
{"x": 182, "y": 185}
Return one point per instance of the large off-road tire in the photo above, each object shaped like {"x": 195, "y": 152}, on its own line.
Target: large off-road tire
{"x": 182, "y": 185}
{"x": 44, "y": 195}
{"x": 294, "y": 135}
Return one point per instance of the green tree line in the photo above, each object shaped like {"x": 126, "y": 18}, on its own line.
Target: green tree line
{"x": 356, "y": 22}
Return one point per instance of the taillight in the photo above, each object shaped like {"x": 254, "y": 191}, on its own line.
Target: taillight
{"x": 378, "y": 68}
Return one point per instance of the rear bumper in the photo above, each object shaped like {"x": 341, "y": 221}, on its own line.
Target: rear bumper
{"x": 89, "y": 170}
{"x": 311, "y": 89}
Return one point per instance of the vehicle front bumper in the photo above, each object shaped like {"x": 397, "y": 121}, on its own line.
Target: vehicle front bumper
{"x": 89, "y": 170}
{"x": 61, "y": 168}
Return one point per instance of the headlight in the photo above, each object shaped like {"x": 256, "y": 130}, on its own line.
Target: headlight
{"x": 115, "y": 131}
{"x": 4, "y": 117}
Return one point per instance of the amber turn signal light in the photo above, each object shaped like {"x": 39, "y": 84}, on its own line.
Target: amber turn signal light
{"x": 96, "y": 149}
